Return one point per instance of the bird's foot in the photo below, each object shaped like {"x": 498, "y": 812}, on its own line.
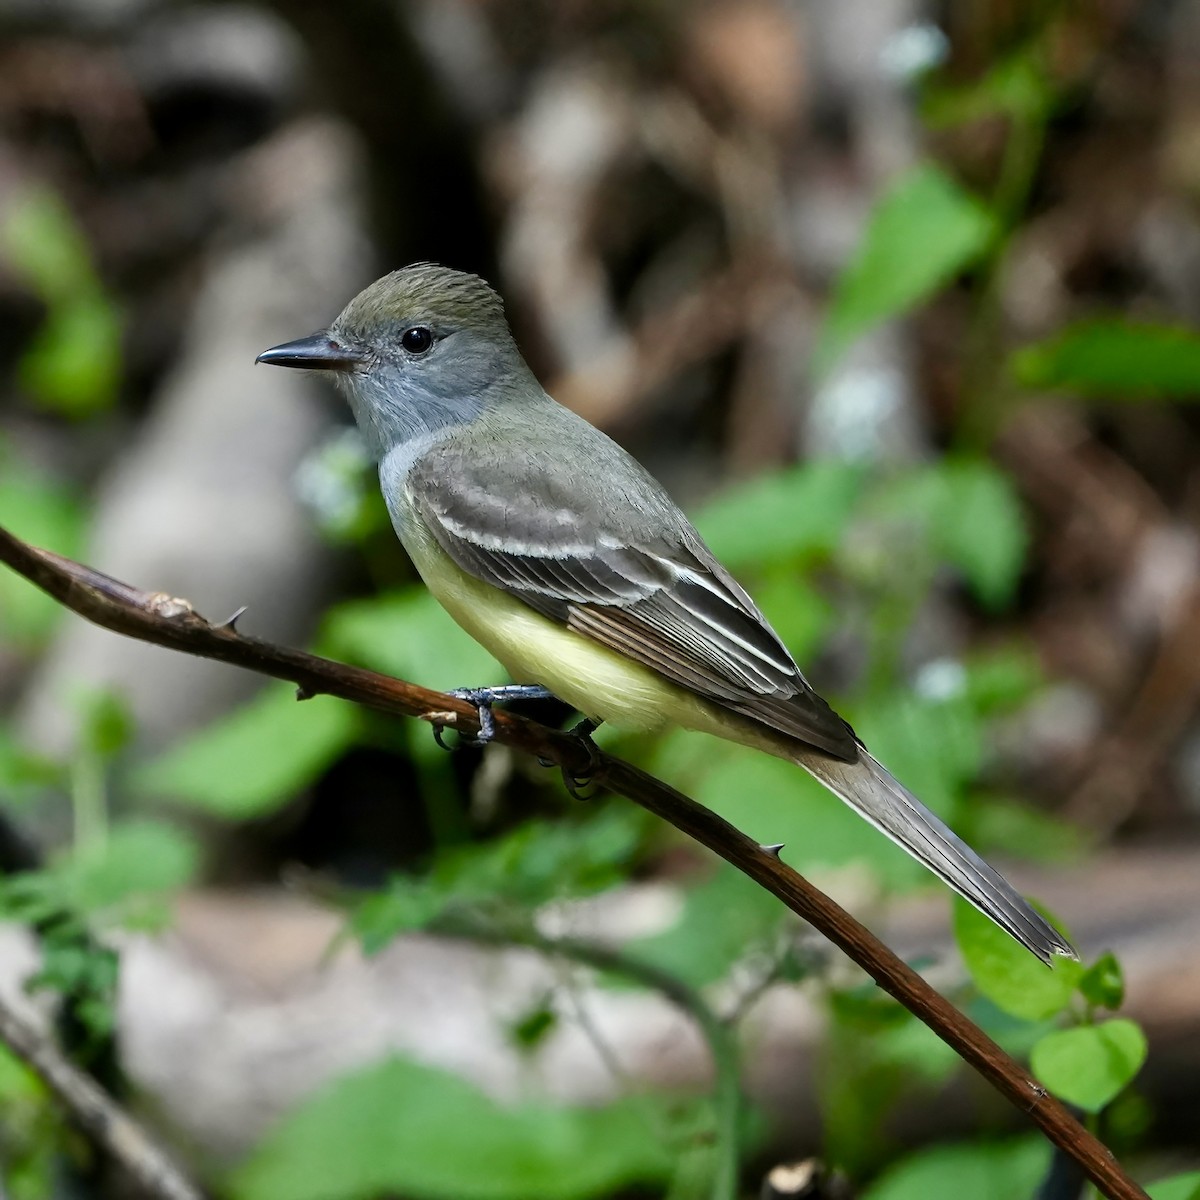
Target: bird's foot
{"x": 483, "y": 698}
{"x": 577, "y": 784}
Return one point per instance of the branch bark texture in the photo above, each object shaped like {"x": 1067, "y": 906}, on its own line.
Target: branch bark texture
{"x": 96, "y": 1112}
{"x": 172, "y": 622}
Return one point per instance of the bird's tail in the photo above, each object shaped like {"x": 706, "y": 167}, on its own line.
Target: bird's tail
{"x": 872, "y": 792}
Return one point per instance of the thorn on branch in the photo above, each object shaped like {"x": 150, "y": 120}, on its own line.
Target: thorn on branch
{"x": 773, "y": 848}
{"x": 231, "y": 621}
{"x": 303, "y": 692}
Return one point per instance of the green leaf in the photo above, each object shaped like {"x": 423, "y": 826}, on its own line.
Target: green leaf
{"x": 1007, "y": 973}
{"x": 980, "y": 528}
{"x": 74, "y": 364}
{"x": 1178, "y": 1187}
{"x": 970, "y": 516}
{"x": 255, "y": 759}
{"x": 108, "y": 724}
{"x": 1012, "y": 827}
{"x": 800, "y": 512}
{"x": 23, "y": 774}
{"x": 1089, "y": 1065}
{"x": 531, "y": 865}
{"x": 1016, "y": 87}
{"x": 982, "y": 1171}
{"x": 723, "y": 920}
{"x": 798, "y": 613}
{"x": 45, "y": 514}
{"x": 923, "y": 231}
{"x": 138, "y": 858}
{"x": 408, "y": 633}
{"x": 403, "y": 1128}
{"x": 1103, "y": 983}
{"x": 933, "y": 746}
{"x": 1111, "y": 358}
{"x": 42, "y": 242}
{"x": 1003, "y": 679}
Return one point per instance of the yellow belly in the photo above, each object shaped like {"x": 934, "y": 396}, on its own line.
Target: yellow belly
{"x": 591, "y": 678}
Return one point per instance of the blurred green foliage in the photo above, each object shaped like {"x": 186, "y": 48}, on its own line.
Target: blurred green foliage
{"x": 923, "y": 231}
{"x": 257, "y": 758}
{"x": 48, "y": 514}
{"x": 400, "y": 1127}
{"x": 1114, "y": 359}
{"x": 826, "y": 546}
{"x": 74, "y": 365}
{"x": 982, "y": 1170}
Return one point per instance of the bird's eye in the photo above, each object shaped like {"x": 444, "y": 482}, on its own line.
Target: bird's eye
{"x": 417, "y": 340}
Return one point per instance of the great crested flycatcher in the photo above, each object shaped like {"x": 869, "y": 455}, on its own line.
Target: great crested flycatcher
{"x": 559, "y": 553}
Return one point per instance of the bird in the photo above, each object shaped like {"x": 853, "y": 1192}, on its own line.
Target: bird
{"x": 565, "y": 558}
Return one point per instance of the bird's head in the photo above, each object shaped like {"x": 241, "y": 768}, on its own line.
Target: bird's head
{"x": 420, "y": 349}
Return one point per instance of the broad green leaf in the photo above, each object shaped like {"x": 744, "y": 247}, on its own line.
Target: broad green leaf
{"x": 1110, "y": 358}
{"x": 979, "y": 1170}
{"x": 256, "y": 758}
{"x": 1089, "y": 1065}
{"x": 971, "y": 518}
{"x": 138, "y": 858}
{"x": 409, "y": 634}
{"x": 1007, "y": 973}
{"x": 799, "y": 512}
{"x": 980, "y": 528}
{"x": 1178, "y": 1187}
{"x": 723, "y": 919}
{"x": 46, "y": 515}
{"x": 403, "y": 1128}
{"x": 923, "y": 231}
{"x": 1103, "y": 983}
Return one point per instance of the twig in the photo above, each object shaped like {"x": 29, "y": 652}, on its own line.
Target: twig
{"x": 722, "y": 1044}
{"x": 165, "y": 621}
{"x": 96, "y": 1113}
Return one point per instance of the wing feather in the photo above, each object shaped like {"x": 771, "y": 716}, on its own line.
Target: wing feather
{"x": 654, "y": 593}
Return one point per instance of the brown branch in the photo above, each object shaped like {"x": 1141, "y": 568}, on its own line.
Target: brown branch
{"x": 95, "y": 1111}
{"x": 171, "y": 622}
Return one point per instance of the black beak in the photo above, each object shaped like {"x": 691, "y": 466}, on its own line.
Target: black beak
{"x": 318, "y": 352}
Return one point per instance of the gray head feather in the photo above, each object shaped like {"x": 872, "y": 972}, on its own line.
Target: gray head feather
{"x": 472, "y": 363}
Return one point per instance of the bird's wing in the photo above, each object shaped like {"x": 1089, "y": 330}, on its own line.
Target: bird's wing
{"x": 642, "y": 583}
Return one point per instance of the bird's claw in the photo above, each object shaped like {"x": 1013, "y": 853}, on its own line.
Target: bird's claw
{"x": 576, "y": 785}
